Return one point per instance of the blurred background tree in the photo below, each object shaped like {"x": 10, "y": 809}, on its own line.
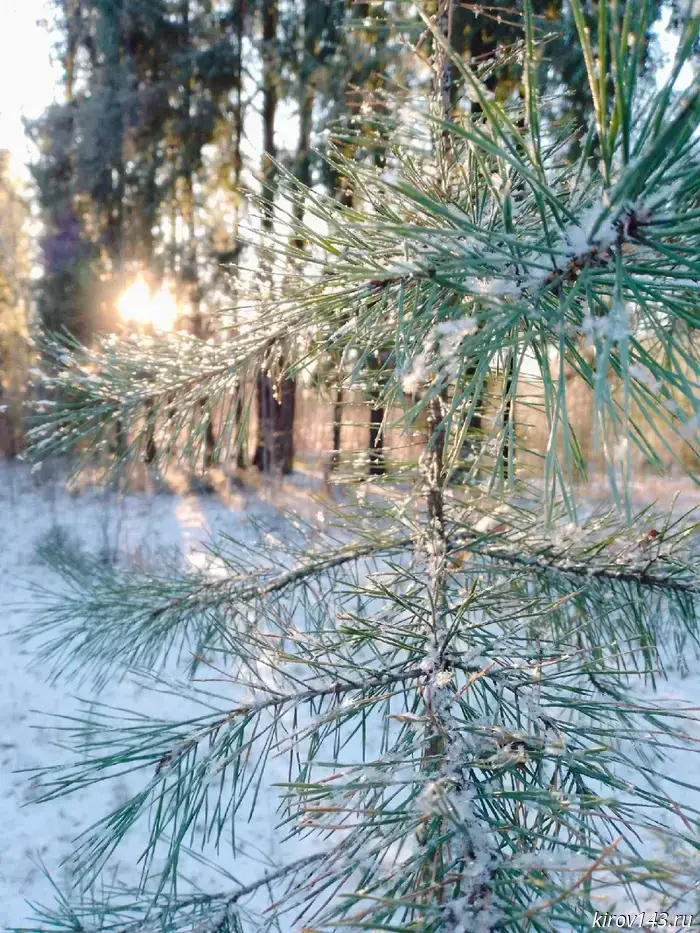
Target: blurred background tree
{"x": 149, "y": 164}
{"x": 15, "y": 284}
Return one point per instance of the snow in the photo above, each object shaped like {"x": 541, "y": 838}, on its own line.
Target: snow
{"x": 492, "y": 288}
{"x": 390, "y": 177}
{"x": 642, "y": 374}
{"x": 613, "y": 326}
{"x": 450, "y": 335}
{"x": 580, "y": 237}
{"x": 416, "y": 375}
{"x": 143, "y": 525}
{"x": 690, "y": 428}
{"x": 36, "y": 834}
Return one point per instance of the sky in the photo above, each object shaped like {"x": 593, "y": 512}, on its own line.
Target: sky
{"x": 27, "y": 76}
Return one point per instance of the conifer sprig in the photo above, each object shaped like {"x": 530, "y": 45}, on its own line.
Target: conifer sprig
{"x": 104, "y": 619}
{"x": 466, "y": 716}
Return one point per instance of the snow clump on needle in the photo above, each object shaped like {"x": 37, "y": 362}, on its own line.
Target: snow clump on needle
{"x": 448, "y": 335}
{"x": 417, "y": 375}
{"x": 642, "y": 374}
{"x": 581, "y": 238}
{"x": 614, "y": 326}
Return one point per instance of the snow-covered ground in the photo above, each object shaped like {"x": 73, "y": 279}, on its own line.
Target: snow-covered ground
{"x": 33, "y": 835}
{"x": 144, "y": 524}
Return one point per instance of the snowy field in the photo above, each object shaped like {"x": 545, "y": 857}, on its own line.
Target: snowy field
{"x": 140, "y": 524}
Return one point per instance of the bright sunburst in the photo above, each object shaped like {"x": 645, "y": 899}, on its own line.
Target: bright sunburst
{"x": 139, "y": 306}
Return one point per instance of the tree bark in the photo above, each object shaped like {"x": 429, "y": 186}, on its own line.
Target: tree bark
{"x": 275, "y": 446}
{"x": 377, "y": 465}
{"x": 432, "y": 471}
{"x": 209, "y": 456}
{"x": 507, "y": 415}
{"x": 113, "y": 54}
{"x": 269, "y": 110}
{"x": 239, "y": 20}
{"x": 191, "y": 272}
{"x": 241, "y": 451}
{"x": 337, "y": 429}
{"x": 306, "y": 105}
{"x": 151, "y": 450}
{"x": 275, "y": 450}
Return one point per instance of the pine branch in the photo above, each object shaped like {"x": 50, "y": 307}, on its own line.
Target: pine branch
{"x": 159, "y": 911}
{"x": 110, "y": 619}
{"x": 551, "y": 561}
{"x": 253, "y": 590}
{"x": 224, "y": 900}
{"x": 339, "y": 688}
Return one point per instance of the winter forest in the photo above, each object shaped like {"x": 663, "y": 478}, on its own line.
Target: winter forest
{"x": 349, "y": 466}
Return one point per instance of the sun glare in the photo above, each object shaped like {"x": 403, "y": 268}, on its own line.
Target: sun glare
{"x": 139, "y": 306}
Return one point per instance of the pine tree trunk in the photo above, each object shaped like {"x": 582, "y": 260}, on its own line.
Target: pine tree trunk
{"x": 377, "y": 464}
{"x": 275, "y": 450}
{"x": 151, "y": 450}
{"x": 269, "y": 110}
{"x": 337, "y": 428}
{"x": 377, "y": 461}
{"x": 241, "y": 452}
{"x": 507, "y": 410}
{"x": 120, "y": 439}
{"x": 306, "y": 105}
{"x": 113, "y": 54}
{"x": 209, "y": 436}
{"x": 275, "y": 447}
{"x": 432, "y": 470}
{"x": 470, "y": 447}
{"x": 480, "y": 45}
{"x": 510, "y": 362}
{"x": 191, "y": 269}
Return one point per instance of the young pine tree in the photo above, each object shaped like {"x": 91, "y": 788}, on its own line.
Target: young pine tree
{"x": 464, "y": 716}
